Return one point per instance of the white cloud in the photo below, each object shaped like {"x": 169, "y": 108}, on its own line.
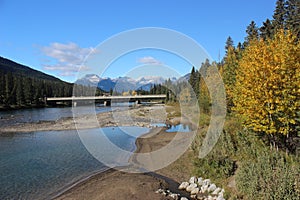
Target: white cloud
{"x": 68, "y": 58}
{"x": 149, "y": 60}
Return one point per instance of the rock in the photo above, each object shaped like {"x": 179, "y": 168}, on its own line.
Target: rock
{"x": 184, "y": 198}
{"x": 195, "y": 191}
{"x": 204, "y": 188}
{"x": 200, "y": 196}
{"x": 210, "y": 198}
{"x": 220, "y": 198}
{"x": 191, "y": 187}
{"x": 174, "y": 196}
{"x": 221, "y": 194}
{"x": 200, "y": 181}
{"x": 159, "y": 191}
{"x": 216, "y": 191}
{"x": 206, "y": 182}
{"x": 183, "y": 185}
{"x": 193, "y": 196}
{"x": 193, "y": 179}
{"x": 211, "y": 188}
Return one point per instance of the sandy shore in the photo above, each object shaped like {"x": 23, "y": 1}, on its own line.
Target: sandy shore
{"x": 114, "y": 184}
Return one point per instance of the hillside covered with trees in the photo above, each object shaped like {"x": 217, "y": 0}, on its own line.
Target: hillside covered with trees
{"x": 22, "y": 86}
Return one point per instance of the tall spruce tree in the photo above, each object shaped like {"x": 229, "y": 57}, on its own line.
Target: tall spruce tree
{"x": 293, "y": 16}
{"x": 194, "y": 81}
{"x": 229, "y": 43}
{"x": 19, "y": 91}
{"x": 266, "y": 30}
{"x": 229, "y": 71}
{"x": 279, "y": 15}
{"x": 252, "y": 33}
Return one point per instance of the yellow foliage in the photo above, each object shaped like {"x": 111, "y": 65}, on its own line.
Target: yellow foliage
{"x": 267, "y": 89}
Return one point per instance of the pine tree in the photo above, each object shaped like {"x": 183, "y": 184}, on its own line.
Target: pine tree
{"x": 266, "y": 31}
{"x": 293, "y": 16}
{"x": 279, "y": 15}
{"x": 204, "y": 96}
{"x": 229, "y": 73}
{"x": 19, "y": 91}
{"x": 194, "y": 82}
{"x": 252, "y": 33}
{"x": 8, "y": 88}
{"x": 28, "y": 90}
{"x": 229, "y": 43}
{"x": 2, "y": 88}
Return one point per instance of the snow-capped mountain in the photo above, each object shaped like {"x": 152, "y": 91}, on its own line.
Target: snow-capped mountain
{"x": 184, "y": 78}
{"x": 122, "y": 83}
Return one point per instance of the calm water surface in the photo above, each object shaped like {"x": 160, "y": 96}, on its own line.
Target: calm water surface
{"x": 39, "y": 164}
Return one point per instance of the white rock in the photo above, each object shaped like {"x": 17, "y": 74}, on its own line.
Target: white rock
{"x": 191, "y": 187}
{"x": 200, "y": 181}
{"x": 221, "y": 194}
{"x": 159, "y": 191}
{"x": 220, "y": 198}
{"x": 217, "y": 190}
{"x": 174, "y": 196}
{"x": 204, "y": 188}
{"x": 184, "y": 198}
{"x": 195, "y": 191}
{"x": 206, "y": 182}
{"x": 193, "y": 196}
{"x": 212, "y": 187}
{"x": 183, "y": 185}
{"x": 210, "y": 198}
{"x": 193, "y": 179}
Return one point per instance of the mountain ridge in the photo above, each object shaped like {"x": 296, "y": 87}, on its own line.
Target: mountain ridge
{"x": 7, "y": 65}
{"x": 122, "y": 84}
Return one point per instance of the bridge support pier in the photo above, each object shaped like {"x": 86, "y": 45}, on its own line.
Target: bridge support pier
{"x": 107, "y": 103}
{"x": 137, "y": 102}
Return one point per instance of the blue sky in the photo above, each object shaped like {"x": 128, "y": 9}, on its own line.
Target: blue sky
{"x": 55, "y": 36}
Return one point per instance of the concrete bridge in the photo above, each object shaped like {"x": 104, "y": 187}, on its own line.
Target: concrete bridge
{"x": 106, "y": 100}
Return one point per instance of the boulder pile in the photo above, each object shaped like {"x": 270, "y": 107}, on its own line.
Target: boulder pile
{"x": 198, "y": 188}
{"x": 202, "y": 189}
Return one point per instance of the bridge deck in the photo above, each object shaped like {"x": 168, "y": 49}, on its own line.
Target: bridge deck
{"x": 136, "y": 97}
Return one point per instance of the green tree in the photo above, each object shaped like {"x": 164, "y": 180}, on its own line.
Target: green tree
{"x": 228, "y": 71}
{"x": 2, "y": 88}
{"x": 194, "y": 82}
{"x": 28, "y": 90}
{"x": 279, "y": 15}
{"x": 252, "y": 33}
{"x": 266, "y": 30}
{"x": 8, "y": 88}
{"x": 229, "y": 44}
{"x": 19, "y": 91}
{"x": 293, "y": 16}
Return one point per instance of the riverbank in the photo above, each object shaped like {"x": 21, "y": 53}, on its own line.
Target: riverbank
{"x": 142, "y": 116}
{"x": 114, "y": 184}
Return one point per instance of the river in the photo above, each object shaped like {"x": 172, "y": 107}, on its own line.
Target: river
{"x": 37, "y": 165}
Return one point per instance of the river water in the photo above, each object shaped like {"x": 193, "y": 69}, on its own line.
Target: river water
{"x": 37, "y": 165}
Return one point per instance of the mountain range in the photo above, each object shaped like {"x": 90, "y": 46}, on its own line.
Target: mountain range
{"x": 121, "y": 84}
